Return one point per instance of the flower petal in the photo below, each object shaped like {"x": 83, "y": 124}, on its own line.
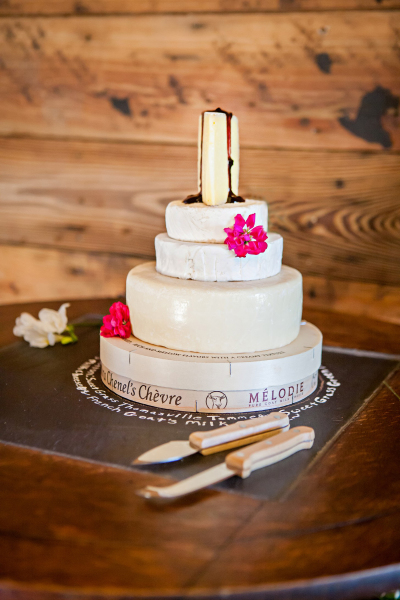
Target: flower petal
{"x": 259, "y": 233}
{"x": 241, "y": 251}
{"x": 251, "y": 221}
{"x": 62, "y": 311}
{"x": 36, "y": 339}
{"x": 105, "y": 332}
{"x": 239, "y": 222}
{"x": 53, "y": 338}
{"x": 26, "y": 323}
{"x": 117, "y": 323}
{"x": 54, "y": 321}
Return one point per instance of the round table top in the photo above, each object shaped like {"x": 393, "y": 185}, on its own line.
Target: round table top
{"x": 73, "y": 527}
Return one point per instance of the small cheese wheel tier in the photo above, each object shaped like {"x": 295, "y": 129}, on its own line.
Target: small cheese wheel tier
{"x": 199, "y": 222}
{"x": 214, "y": 317}
{"x": 215, "y": 262}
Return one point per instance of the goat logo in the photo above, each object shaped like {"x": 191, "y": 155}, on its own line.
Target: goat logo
{"x": 216, "y": 400}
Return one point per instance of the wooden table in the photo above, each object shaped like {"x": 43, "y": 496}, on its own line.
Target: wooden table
{"x": 72, "y": 527}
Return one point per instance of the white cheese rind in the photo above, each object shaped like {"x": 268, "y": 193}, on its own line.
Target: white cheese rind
{"x": 201, "y": 223}
{"x": 215, "y": 262}
{"x": 215, "y": 317}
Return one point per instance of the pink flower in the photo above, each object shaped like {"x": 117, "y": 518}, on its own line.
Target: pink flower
{"x": 117, "y": 323}
{"x": 244, "y": 238}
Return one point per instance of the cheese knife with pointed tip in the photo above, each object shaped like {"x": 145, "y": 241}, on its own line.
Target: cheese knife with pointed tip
{"x": 217, "y": 440}
{"x": 242, "y": 462}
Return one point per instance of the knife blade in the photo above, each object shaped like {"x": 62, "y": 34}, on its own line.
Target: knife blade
{"x": 242, "y": 462}
{"x": 217, "y": 440}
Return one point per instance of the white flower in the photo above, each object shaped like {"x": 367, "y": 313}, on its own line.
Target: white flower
{"x": 54, "y": 338}
{"x": 44, "y": 331}
{"x": 54, "y": 321}
{"x": 31, "y": 330}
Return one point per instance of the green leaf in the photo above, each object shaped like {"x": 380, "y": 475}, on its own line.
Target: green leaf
{"x": 71, "y": 338}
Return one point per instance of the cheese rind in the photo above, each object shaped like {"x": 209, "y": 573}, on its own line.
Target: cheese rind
{"x": 201, "y": 223}
{"x": 215, "y": 262}
{"x": 216, "y": 317}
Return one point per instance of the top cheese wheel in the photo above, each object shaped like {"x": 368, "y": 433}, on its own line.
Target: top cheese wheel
{"x": 201, "y": 223}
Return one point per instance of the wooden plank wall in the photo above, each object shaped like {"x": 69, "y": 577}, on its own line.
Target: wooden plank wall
{"x": 99, "y": 101}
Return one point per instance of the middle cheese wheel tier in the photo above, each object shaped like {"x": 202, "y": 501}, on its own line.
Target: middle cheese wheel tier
{"x": 199, "y": 222}
{"x": 214, "y": 317}
{"x": 215, "y": 262}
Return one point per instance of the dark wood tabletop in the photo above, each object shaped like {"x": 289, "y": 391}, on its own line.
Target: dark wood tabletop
{"x": 73, "y": 529}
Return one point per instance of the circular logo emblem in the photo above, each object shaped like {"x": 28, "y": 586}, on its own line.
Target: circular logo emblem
{"x": 216, "y": 400}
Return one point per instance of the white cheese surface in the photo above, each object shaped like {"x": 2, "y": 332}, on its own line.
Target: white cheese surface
{"x": 214, "y": 159}
{"x": 215, "y": 262}
{"x": 215, "y": 317}
{"x": 201, "y": 223}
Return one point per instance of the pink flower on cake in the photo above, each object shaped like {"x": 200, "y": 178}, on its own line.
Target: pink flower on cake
{"x": 117, "y": 323}
{"x": 244, "y": 238}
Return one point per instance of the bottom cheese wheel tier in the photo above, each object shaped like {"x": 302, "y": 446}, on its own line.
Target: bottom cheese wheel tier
{"x": 214, "y": 317}
{"x": 212, "y": 383}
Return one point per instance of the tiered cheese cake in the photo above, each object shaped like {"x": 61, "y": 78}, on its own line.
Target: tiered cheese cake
{"x": 206, "y": 301}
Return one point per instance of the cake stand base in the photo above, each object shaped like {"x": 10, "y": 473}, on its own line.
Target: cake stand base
{"x": 212, "y": 383}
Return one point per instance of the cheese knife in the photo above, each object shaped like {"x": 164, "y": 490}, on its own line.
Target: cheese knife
{"x": 217, "y": 440}
{"x": 242, "y": 462}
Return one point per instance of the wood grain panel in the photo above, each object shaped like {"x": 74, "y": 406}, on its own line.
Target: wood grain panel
{"x": 326, "y": 80}
{"x": 345, "y": 330}
{"x": 83, "y": 7}
{"x": 353, "y": 298}
{"x": 35, "y": 274}
{"x": 91, "y": 196}
{"x": 338, "y": 212}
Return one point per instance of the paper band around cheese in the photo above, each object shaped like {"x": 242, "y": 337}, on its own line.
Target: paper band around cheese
{"x": 214, "y": 317}
{"x": 159, "y": 366}
{"x": 215, "y": 262}
{"x": 185, "y": 381}
{"x": 201, "y": 223}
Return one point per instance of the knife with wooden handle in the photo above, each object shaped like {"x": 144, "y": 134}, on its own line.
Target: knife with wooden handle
{"x": 240, "y": 433}
{"x": 242, "y": 462}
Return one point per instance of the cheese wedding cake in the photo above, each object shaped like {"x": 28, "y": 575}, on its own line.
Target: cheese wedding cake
{"x": 200, "y": 295}
{"x": 215, "y": 319}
